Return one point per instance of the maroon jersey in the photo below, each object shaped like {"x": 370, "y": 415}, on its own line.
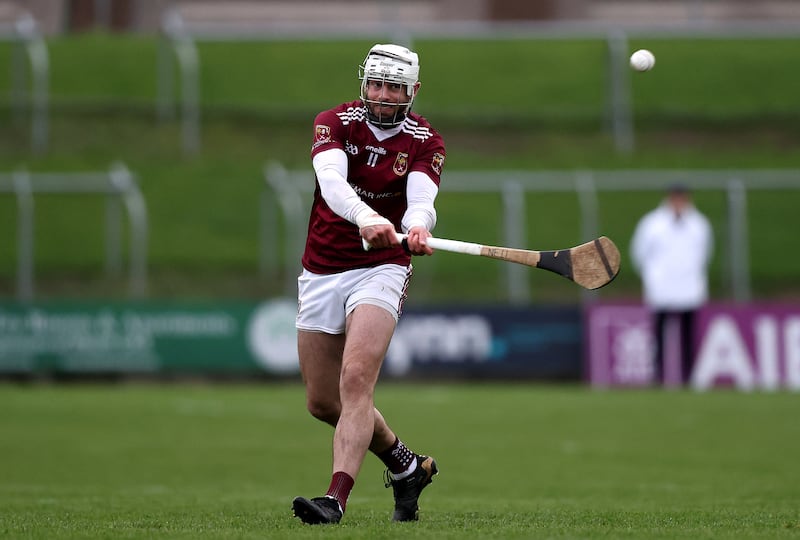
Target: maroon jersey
{"x": 378, "y": 172}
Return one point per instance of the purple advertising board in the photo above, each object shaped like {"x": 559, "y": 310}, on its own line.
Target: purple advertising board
{"x": 754, "y": 346}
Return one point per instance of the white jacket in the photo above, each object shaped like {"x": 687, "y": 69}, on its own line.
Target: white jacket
{"x": 672, "y": 254}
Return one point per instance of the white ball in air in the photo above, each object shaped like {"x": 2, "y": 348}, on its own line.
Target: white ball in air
{"x": 643, "y": 60}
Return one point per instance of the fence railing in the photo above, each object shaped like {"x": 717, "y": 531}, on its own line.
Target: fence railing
{"x": 29, "y": 60}
{"x": 287, "y": 195}
{"x": 179, "y": 36}
{"x": 121, "y": 189}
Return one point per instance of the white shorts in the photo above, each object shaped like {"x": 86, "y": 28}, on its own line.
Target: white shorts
{"x": 325, "y": 300}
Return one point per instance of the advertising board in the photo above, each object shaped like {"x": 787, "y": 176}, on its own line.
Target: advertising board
{"x": 754, "y": 346}
{"x": 259, "y": 338}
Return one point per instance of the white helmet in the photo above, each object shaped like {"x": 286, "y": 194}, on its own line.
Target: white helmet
{"x": 394, "y": 64}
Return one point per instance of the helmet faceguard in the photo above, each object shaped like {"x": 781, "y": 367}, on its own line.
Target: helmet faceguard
{"x": 389, "y": 64}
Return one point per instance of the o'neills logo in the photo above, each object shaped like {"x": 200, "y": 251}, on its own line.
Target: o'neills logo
{"x": 400, "y": 164}
{"x": 323, "y": 133}
{"x": 437, "y": 162}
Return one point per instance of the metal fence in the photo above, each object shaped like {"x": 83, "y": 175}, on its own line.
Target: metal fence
{"x": 121, "y": 189}
{"x": 286, "y": 195}
{"x": 29, "y": 61}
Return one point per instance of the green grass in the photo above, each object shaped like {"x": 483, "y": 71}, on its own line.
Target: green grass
{"x": 531, "y": 105}
{"x": 512, "y": 78}
{"x": 520, "y": 461}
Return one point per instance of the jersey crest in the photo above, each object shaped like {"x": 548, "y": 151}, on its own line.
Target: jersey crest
{"x": 323, "y": 132}
{"x": 322, "y": 135}
{"x": 400, "y": 164}
{"x": 437, "y": 163}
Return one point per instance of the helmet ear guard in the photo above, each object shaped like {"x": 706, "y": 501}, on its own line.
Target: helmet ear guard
{"x": 392, "y": 64}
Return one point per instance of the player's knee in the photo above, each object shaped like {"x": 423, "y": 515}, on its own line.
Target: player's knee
{"x": 356, "y": 380}
{"x": 324, "y": 410}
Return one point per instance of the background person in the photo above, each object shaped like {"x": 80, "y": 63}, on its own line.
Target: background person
{"x": 671, "y": 249}
{"x": 378, "y": 167}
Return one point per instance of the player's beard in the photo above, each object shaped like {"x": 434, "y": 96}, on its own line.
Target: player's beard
{"x": 385, "y": 115}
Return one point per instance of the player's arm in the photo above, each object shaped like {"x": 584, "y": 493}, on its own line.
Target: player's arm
{"x": 331, "y": 169}
{"x": 420, "y": 216}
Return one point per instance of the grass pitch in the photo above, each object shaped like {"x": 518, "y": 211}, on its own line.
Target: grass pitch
{"x": 517, "y": 461}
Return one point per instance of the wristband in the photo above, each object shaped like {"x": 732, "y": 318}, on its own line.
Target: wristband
{"x": 371, "y": 220}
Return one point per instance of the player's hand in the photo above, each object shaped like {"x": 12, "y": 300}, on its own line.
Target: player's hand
{"x": 417, "y": 241}
{"x": 378, "y": 232}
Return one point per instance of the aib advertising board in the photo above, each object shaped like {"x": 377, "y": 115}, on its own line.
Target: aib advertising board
{"x": 752, "y": 346}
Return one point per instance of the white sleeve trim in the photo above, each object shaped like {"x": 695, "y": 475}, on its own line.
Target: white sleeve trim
{"x": 331, "y": 169}
{"x": 421, "y": 192}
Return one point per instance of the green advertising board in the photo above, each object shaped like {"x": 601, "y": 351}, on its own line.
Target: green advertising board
{"x": 226, "y": 338}
{"x": 258, "y": 339}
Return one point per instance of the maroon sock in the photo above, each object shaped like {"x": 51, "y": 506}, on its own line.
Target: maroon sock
{"x": 397, "y": 457}
{"x": 341, "y": 485}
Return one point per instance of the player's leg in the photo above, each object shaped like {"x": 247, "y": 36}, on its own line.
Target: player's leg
{"x": 320, "y": 357}
{"x": 320, "y": 365}
{"x": 369, "y": 330}
{"x": 320, "y": 342}
{"x": 407, "y": 472}
{"x": 340, "y": 377}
